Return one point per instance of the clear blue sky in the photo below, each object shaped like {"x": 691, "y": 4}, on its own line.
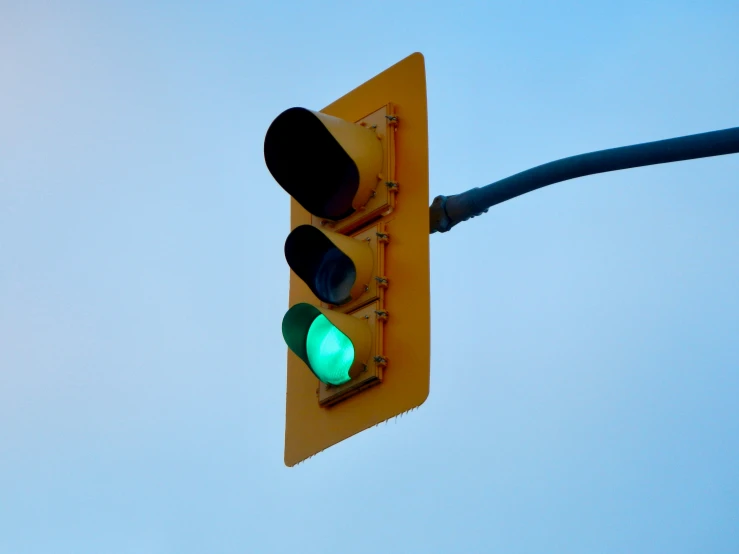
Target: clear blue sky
{"x": 585, "y": 361}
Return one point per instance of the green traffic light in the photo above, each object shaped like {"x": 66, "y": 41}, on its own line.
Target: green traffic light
{"x": 330, "y": 352}
{"x": 327, "y": 351}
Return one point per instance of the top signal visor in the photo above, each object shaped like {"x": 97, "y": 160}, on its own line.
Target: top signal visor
{"x": 328, "y": 165}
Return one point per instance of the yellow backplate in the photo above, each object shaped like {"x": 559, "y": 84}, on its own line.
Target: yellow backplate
{"x": 404, "y": 384}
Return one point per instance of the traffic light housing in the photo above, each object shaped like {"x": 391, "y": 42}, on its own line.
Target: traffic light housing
{"x": 358, "y": 325}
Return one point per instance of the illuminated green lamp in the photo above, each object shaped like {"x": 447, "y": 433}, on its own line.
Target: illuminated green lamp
{"x": 334, "y": 346}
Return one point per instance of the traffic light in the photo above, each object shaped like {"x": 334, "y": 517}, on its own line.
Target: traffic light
{"x": 358, "y": 325}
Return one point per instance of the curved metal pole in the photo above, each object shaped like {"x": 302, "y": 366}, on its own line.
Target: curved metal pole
{"x": 447, "y": 211}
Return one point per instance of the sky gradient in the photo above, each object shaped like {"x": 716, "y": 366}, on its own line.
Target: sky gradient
{"x": 585, "y": 361}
